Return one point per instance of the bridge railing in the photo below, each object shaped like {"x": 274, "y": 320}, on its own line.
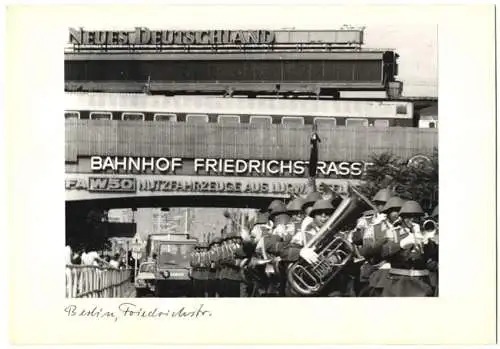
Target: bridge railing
{"x": 245, "y": 141}
{"x": 86, "y": 281}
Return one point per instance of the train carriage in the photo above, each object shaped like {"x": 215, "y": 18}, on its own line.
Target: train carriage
{"x": 234, "y": 110}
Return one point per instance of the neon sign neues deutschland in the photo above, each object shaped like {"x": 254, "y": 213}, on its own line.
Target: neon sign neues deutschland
{"x": 145, "y": 36}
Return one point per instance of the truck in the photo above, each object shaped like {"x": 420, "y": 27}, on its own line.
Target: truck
{"x": 172, "y": 263}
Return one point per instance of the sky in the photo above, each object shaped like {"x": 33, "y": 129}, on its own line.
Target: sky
{"x": 417, "y": 46}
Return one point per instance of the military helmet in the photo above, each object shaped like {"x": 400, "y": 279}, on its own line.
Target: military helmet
{"x": 274, "y": 204}
{"x": 277, "y": 207}
{"x": 214, "y": 241}
{"x": 321, "y": 206}
{"x": 435, "y": 212}
{"x": 231, "y": 235}
{"x": 295, "y": 205}
{"x": 411, "y": 208}
{"x": 393, "y": 203}
{"x": 383, "y": 195}
{"x": 311, "y": 198}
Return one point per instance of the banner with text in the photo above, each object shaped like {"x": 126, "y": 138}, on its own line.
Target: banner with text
{"x": 89, "y": 186}
{"x": 217, "y": 167}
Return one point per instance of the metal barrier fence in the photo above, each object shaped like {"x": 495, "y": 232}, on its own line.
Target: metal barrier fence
{"x": 85, "y": 281}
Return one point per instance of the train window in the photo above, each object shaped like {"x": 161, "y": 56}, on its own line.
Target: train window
{"x": 72, "y": 115}
{"x": 165, "y": 117}
{"x": 133, "y": 116}
{"x": 381, "y": 123}
{"x": 292, "y": 120}
{"x": 196, "y": 119}
{"x": 100, "y": 115}
{"x": 261, "y": 120}
{"x": 229, "y": 119}
{"x": 401, "y": 109}
{"x": 356, "y": 123}
{"x": 325, "y": 122}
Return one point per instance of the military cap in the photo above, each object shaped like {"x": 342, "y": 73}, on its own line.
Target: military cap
{"x": 411, "y": 208}
{"x": 311, "y": 199}
{"x": 231, "y": 235}
{"x": 383, "y": 195}
{"x": 393, "y": 203}
{"x": 214, "y": 241}
{"x": 295, "y": 205}
{"x": 278, "y": 208}
{"x": 321, "y": 206}
{"x": 274, "y": 204}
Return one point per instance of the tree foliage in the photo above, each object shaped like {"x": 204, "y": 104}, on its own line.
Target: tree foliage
{"x": 418, "y": 180}
{"x": 86, "y": 228}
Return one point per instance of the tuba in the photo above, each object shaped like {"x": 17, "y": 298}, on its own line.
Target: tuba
{"x": 334, "y": 251}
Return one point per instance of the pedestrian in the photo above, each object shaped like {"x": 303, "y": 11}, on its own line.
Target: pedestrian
{"x": 115, "y": 261}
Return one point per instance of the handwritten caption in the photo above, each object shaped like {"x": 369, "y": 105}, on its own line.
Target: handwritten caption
{"x": 131, "y": 310}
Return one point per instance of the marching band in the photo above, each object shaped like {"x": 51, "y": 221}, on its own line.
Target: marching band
{"x": 321, "y": 246}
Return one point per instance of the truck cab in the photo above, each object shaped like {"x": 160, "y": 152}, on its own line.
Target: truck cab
{"x": 173, "y": 270}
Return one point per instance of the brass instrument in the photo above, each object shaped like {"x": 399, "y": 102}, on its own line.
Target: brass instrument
{"x": 334, "y": 251}
{"x": 430, "y": 225}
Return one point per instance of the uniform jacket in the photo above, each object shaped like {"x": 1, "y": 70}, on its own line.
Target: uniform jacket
{"x": 410, "y": 257}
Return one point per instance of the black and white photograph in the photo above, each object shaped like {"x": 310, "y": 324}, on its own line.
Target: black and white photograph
{"x": 237, "y": 174}
{"x": 252, "y": 163}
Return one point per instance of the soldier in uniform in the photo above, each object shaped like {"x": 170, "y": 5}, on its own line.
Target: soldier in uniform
{"x": 311, "y": 198}
{"x": 409, "y": 257}
{"x": 282, "y": 248}
{"x": 204, "y": 269}
{"x": 382, "y": 227}
{"x": 261, "y": 227}
{"x": 431, "y": 242}
{"x": 295, "y": 210}
{"x": 215, "y": 257}
{"x": 282, "y": 231}
{"x": 288, "y": 251}
{"x": 196, "y": 286}
{"x": 211, "y": 272}
{"x": 338, "y": 287}
{"x": 231, "y": 261}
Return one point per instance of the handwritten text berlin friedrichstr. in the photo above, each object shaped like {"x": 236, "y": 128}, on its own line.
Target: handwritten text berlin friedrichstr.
{"x": 131, "y": 310}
